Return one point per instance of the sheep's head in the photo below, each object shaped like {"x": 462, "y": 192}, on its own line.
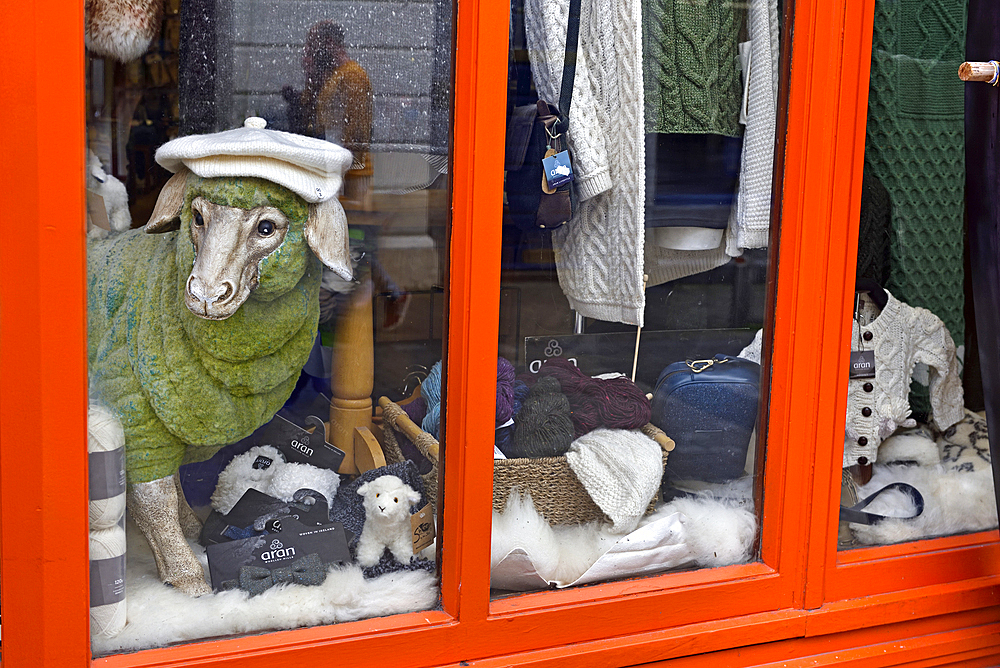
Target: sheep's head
{"x": 247, "y": 235}
{"x": 388, "y": 497}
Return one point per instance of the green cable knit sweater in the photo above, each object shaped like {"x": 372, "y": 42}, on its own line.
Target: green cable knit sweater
{"x": 690, "y": 66}
{"x": 915, "y": 146}
{"x": 183, "y": 386}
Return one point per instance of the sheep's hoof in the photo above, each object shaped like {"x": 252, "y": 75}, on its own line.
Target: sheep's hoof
{"x": 192, "y": 585}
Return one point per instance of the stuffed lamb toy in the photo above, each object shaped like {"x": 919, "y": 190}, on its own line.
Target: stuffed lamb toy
{"x": 387, "y": 501}
{"x": 200, "y": 322}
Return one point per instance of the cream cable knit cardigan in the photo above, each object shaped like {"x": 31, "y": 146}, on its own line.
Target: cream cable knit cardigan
{"x": 601, "y": 254}
{"x": 901, "y": 336}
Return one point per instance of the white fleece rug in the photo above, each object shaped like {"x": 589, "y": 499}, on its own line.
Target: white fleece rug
{"x": 160, "y": 615}
{"x": 952, "y": 472}
{"x": 702, "y": 531}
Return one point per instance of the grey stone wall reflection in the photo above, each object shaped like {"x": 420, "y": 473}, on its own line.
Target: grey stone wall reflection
{"x": 237, "y": 55}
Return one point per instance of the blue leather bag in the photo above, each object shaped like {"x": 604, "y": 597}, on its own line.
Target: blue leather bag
{"x": 709, "y": 408}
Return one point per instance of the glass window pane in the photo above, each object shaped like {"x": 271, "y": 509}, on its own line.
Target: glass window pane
{"x": 637, "y": 219}
{"x": 291, "y": 160}
{"x": 916, "y": 437}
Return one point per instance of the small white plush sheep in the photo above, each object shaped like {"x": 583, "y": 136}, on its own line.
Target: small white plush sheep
{"x": 387, "y": 501}
{"x": 264, "y": 468}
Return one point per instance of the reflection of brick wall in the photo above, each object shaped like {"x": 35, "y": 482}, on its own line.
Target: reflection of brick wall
{"x": 393, "y": 41}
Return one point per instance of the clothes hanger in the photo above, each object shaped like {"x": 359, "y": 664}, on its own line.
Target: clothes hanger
{"x": 874, "y": 290}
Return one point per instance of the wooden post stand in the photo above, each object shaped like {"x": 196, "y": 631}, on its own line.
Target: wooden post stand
{"x": 352, "y": 380}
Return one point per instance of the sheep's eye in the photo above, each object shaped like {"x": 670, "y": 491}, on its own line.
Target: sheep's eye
{"x": 395, "y": 499}
{"x": 376, "y": 495}
{"x": 198, "y": 220}
{"x": 265, "y": 228}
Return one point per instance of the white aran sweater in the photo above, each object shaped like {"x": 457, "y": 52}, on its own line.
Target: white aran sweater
{"x": 601, "y": 254}
{"x": 901, "y": 336}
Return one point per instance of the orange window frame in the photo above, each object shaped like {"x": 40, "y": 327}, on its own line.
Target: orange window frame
{"x": 43, "y": 386}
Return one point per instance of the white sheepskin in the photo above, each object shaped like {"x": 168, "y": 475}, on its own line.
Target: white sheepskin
{"x": 910, "y": 445}
{"x": 280, "y": 480}
{"x": 560, "y": 554}
{"x": 954, "y": 502}
{"x": 717, "y": 534}
{"x": 953, "y": 475}
{"x": 387, "y": 501}
{"x": 702, "y": 530}
{"x": 160, "y": 615}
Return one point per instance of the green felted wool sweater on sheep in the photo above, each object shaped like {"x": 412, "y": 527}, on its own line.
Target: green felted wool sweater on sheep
{"x": 690, "y": 66}
{"x": 916, "y": 147}
{"x": 185, "y": 386}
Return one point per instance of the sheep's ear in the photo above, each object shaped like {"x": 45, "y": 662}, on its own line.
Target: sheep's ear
{"x": 167, "y": 212}
{"x": 326, "y": 234}
{"x": 363, "y": 489}
{"x": 413, "y": 496}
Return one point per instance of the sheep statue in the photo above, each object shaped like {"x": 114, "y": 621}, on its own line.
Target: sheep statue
{"x": 387, "y": 501}
{"x": 200, "y": 323}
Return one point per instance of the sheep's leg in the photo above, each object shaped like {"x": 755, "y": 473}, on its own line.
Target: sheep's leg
{"x": 190, "y": 524}
{"x": 402, "y": 548}
{"x": 369, "y": 551}
{"x": 153, "y": 506}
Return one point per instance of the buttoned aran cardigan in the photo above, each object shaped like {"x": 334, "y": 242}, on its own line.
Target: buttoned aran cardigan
{"x": 901, "y": 336}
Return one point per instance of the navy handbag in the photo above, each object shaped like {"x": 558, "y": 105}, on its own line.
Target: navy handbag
{"x": 709, "y": 408}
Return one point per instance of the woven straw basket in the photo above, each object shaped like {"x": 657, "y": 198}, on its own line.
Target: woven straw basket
{"x": 556, "y": 492}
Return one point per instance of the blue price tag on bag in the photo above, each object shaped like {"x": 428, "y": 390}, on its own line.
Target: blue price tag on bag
{"x": 558, "y": 169}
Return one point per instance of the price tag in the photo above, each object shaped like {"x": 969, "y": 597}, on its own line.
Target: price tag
{"x": 422, "y": 524}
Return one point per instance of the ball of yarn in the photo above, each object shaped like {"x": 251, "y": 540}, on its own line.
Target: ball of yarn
{"x": 430, "y": 390}
{"x": 415, "y": 410}
{"x": 521, "y": 390}
{"x": 104, "y": 430}
{"x": 107, "y": 543}
{"x": 502, "y": 438}
{"x": 505, "y": 390}
{"x": 105, "y": 434}
{"x": 615, "y": 403}
{"x": 108, "y": 620}
{"x": 105, "y": 513}
{"x": 543, "y": 428}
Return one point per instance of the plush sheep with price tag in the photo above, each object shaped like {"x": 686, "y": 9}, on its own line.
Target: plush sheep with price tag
{"x": 200, "y": 323}
{"x": 387, "y": 501}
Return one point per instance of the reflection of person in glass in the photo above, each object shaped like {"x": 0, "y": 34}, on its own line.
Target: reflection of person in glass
{"x": 335, "y": 105}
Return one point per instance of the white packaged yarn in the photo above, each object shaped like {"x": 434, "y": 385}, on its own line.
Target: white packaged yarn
{"x": 106, "y": 461}
{"x": 107, "y": 581}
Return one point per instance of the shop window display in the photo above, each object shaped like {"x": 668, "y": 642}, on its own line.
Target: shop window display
{"x": 916, "y": 449}
{"x": 637, "y": 220}
{"x": 267, "y": 224}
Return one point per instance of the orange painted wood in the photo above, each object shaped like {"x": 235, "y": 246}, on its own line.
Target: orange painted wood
{"x": 879, "y": 645}
{"x": 863, "y": 554}
{"x": 908, "y": 605}
{"x": 43, "y": 387}
{"x": 914, "y": 570}
{"x": 940, "y": 588}
{"x": 474, "y": 305}
{"x": 834, "y": 576}
{"x": 822, "y": 154}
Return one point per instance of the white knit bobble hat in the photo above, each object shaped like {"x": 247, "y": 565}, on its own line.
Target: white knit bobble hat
{"x": 311, "y": 168}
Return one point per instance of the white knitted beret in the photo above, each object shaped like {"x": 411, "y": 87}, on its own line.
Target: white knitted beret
{"x": 311, "y": 168}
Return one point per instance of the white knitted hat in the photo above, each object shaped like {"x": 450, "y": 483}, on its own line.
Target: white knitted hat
{"x": 311, "y": 168}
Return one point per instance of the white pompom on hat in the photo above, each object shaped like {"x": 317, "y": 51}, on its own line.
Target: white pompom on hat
{"x": 311, "y": 168}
